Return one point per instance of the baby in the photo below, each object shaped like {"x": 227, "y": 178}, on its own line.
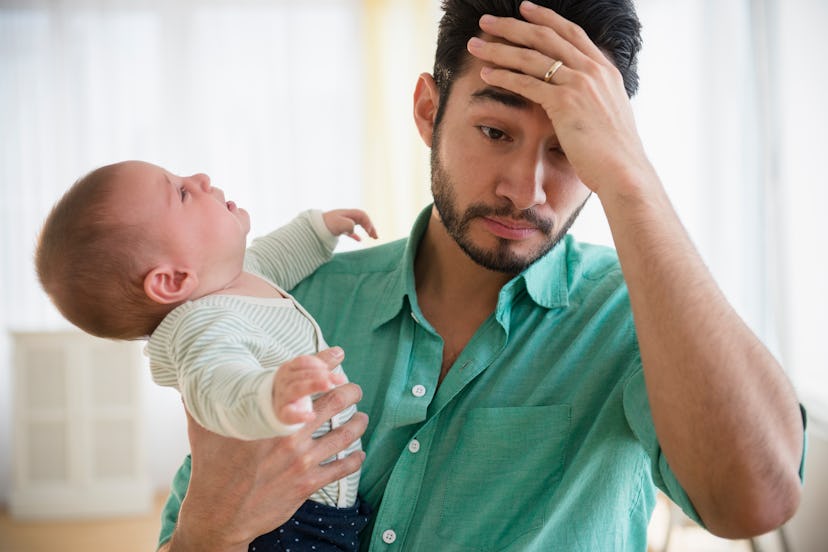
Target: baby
{"x": 133, "y": 251}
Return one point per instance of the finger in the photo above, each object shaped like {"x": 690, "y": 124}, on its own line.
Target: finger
{"x": 326, "y": 358}
{"x": 523, "y": 60}
{"x": 365, "y": 221}
{"x": 540, "y": 38}
{"x": 336, "y": 400}
{"x": 531, "y": 88}
{"x": 295, "y": 413}
{"x": 338, "y": 469}
{"x": 338, "y": 378}
{"x": 332, "y": 356}
{"x": 370, "y": 229}
{"x": 314, "y": 383}
{"x": 308, "y": 380}
{"x": 339, "y": 438}
{"x": 569, "y": 31}
{"x": 299, "y": 390}
{"x": 361, "y": 218}
{"x": 348, "y": 226}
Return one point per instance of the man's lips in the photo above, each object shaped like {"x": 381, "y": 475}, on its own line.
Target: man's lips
{"x": 509, "y": 229}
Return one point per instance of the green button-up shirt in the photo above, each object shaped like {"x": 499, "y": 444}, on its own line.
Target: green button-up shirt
{"x": 540, "y": 436}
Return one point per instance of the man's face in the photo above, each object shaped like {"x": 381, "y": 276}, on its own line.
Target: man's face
{"x": 502, "y": 186}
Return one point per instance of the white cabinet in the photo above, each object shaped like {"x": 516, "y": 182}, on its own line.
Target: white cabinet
{"x": 78, "y": 442}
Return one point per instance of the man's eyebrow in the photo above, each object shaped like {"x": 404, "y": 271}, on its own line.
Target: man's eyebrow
{"x": 501, "y": 96}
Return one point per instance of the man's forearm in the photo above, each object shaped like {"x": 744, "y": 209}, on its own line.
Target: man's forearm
{"x": 725, "y": 413}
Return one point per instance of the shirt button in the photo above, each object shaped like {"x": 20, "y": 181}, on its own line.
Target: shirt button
{"x": 389, "y": 536}
{"x": 414, "y": 446}
{"x": 418, "y": 390}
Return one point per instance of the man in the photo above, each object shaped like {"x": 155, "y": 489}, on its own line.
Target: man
{"x": 513, "y": 403}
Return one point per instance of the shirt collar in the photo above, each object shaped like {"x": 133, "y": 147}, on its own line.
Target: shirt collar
{"x": 400, "y": 282}
{"x": 546, "y": 281}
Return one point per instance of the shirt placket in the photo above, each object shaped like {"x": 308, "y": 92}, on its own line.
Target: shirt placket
{"x": 405, "y": 482}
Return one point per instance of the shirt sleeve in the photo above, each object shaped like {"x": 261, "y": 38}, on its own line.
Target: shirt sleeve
{"x": 639, "y": 416}
{"x": 169, "y": 514}
{"x": 640, "y": 419}
{"x": 292, "y": 252}
{"x": 208, "y": 356}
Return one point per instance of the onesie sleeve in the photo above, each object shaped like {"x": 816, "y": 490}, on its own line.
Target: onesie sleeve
{"x": 207, "y": 353}
{"x": 292, "y": 252}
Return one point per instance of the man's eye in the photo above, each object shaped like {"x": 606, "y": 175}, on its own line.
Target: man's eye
{"x": 492, "y": 133}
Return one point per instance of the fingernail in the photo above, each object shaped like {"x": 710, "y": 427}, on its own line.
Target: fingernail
{"x": 528, "y": 5}
{"x": 476, "y": 43}
{"x": 337, "y": 352}
{"x": 487, "y": 19}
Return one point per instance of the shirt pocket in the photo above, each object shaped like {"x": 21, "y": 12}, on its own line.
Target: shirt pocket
{"x": 504, "y": 470}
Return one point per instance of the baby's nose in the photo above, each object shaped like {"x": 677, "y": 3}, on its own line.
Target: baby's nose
{"x": 203, "y": 181}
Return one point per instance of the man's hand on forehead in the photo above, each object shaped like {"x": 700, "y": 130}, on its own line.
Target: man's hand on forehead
{"x": 551, "y": 61}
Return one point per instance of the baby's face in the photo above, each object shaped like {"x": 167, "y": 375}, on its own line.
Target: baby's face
{"x": 196, "y": 227}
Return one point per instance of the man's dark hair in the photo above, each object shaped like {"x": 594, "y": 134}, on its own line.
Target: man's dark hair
{"x": 611, "y": 24}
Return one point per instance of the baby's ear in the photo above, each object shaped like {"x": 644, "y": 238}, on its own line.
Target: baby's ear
{"x": 167, "y": 285}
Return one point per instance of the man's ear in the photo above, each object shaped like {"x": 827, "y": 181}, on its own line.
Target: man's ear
{"x": 167, "y": 285}
{"x": 426, "y": 101}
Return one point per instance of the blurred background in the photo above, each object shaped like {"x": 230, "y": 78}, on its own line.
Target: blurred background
{"x": 291, "y": 105}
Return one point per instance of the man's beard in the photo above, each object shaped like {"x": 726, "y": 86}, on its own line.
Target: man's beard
{"x": 501, "y": 258}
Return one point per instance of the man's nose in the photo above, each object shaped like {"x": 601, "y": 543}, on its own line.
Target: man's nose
{"x": 524, "y": 186}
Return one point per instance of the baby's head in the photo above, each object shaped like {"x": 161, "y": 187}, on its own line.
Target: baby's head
{"x": 129, "y": 242}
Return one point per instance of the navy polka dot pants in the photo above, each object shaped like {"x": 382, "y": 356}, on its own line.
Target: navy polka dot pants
{"x": 316, "y": 528}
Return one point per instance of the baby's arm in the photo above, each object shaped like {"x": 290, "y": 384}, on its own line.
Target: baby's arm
{"x": 290, "y": 253}
{"x": 293, "y": 386}
{"x": 210, "y": 355}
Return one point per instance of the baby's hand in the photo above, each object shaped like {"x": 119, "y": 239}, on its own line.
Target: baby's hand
{"x": 293, "y": 385}
{"x": 344, "y": 221}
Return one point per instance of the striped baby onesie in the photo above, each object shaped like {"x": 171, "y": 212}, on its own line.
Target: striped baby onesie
{"x": 222, "y": 351}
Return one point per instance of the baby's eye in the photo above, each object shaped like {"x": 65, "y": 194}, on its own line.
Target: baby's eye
{"x": 182, "y": 191}
{"x": 493, "y": 133}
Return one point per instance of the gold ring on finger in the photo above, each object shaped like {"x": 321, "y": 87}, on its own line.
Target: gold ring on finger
{"x": 547, "y": 78}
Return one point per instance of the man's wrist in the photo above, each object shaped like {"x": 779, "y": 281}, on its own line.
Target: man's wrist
{"x": 205, "y": 537}
{"x": 179, "y": 542}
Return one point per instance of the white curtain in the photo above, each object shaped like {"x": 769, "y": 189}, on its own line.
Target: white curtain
{"x": 798, "y": 71}
{"x": 756, "y": 186}
{"x": 732, "y": 112}
{"x": 264, "y": 96}
{"x": 289, "y": 105}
